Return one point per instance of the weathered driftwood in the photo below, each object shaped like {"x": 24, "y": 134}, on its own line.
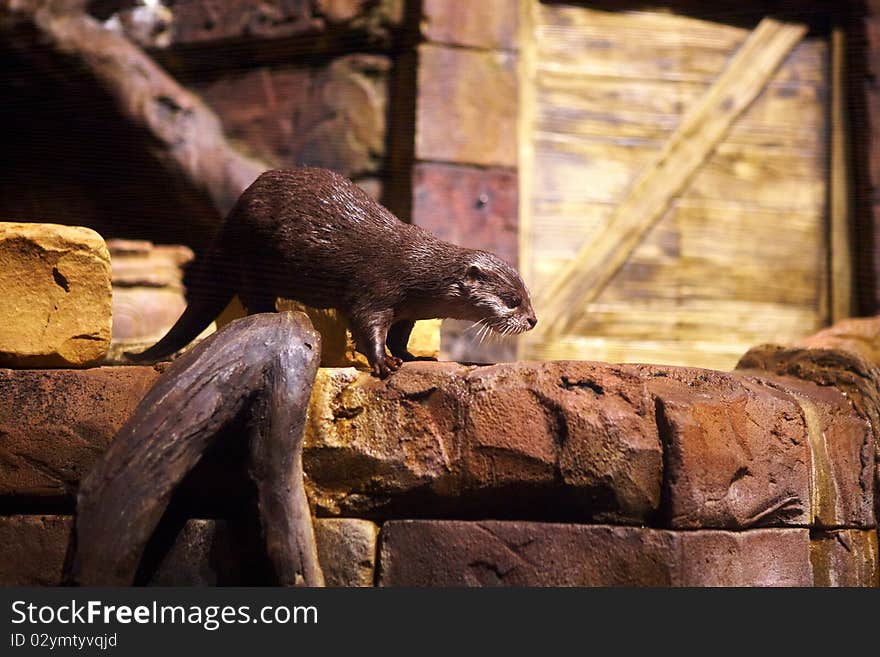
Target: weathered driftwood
{"x": 262, "y": 366}
{"x": 188, "y": 136}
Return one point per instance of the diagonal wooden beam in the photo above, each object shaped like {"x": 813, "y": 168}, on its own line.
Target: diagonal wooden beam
{"x": 700, "y": 131}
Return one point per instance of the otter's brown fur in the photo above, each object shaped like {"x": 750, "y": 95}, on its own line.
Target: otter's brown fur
{"x": 312, "y": 235}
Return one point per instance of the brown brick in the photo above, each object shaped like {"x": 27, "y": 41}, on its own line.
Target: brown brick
{"x": 33, "y": 549}
{"x": 493, "y": 553}
{"x": 841, "y": 453}
{"x": 213, "y": 552}
{"x": 485, "y": 24}
{"x": 736, "y": 453}
{"x": 847, "y": 371}
{"x": 55, "y": 423}
{"x": 562, "y": 439}
{"x": 469, "y": 206}
{"x": 755, "y": 557}
{"x": 330, "y": 115}
{"x": 584, "y": 430}
{"x": 466, "y": 107}
{"x": 845, "y": 557}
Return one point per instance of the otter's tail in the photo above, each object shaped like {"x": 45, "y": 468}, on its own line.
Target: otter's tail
{"x": 211, "y": 289}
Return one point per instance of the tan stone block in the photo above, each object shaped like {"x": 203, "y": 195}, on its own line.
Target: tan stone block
{"x": 845, "y": 557}
{"x": 347, "y": 550}
{"x": 55, "y": 296}
{"x": 148, "y": 293}
{"x": 483, "y": 24}
{"x": 374, "y": 444}
{"x": 466, "y": 108}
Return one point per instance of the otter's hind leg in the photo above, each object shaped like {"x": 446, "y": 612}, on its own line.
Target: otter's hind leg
{"x": 398, "y": 339}
{"x": 257, "y": 301}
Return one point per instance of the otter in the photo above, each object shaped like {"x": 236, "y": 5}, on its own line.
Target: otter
{"x": 312, "y": 235}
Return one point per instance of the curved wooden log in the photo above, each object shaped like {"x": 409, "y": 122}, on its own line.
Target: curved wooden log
{"x": 188, "y": 137}
{"x": 263, "y": 366}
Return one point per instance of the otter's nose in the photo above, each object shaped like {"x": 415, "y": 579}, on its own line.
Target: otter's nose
{"x": 532, "y": 321}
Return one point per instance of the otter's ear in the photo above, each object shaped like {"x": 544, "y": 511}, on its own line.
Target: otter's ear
{"x": 474, "y": 273}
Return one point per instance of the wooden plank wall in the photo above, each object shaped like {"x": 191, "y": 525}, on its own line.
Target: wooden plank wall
{"x": 740, "y": 257}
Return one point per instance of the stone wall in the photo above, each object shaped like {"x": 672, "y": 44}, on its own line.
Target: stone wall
{"x": 529, "y": 473}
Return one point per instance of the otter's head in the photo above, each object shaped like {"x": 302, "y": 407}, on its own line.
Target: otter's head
{"x": 495, "y": 295}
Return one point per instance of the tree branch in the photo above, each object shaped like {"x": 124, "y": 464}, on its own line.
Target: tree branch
{"x": 188, "y": 135}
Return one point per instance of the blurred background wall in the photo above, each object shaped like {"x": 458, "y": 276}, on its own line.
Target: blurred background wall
{"x": 517, "y": 126}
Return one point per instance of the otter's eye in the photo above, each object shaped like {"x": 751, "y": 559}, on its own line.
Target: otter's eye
{"x": 512, "y": 302}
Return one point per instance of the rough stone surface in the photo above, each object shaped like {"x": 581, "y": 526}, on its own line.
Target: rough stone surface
{"x": 557, "y": 441}
{"x": 736, "y": 453}
{"x": 55, "y": 296}
{"x": 331, "y": 115}
{"x": 33, "y": 549}
{"x": 847, "y": 371}
{"x": 347, "y": 550}
{"x": 583, "y": 430}
{"x": 860, "y": 335}
{"x": 484, "y": 24}
{"x": 374, "y": 444}
{"x": 466, "y": 110}
{"x": 562, "y": 439}
{"x": 841, "y": 453}
{"x": 845, "y": 557}
{"x": 55, "y": 423}
{"x": 202, "y": 553}
{"x": 492, "y": 553}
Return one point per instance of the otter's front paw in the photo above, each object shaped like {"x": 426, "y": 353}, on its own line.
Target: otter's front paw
{"x": 386, "y": 366}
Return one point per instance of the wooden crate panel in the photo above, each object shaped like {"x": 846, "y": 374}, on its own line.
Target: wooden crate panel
{"x": 740, "y": 255}
{"x": 701, "y": 320}
{"x": 650, "y": 46}
{"x": 711, "y": 355}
